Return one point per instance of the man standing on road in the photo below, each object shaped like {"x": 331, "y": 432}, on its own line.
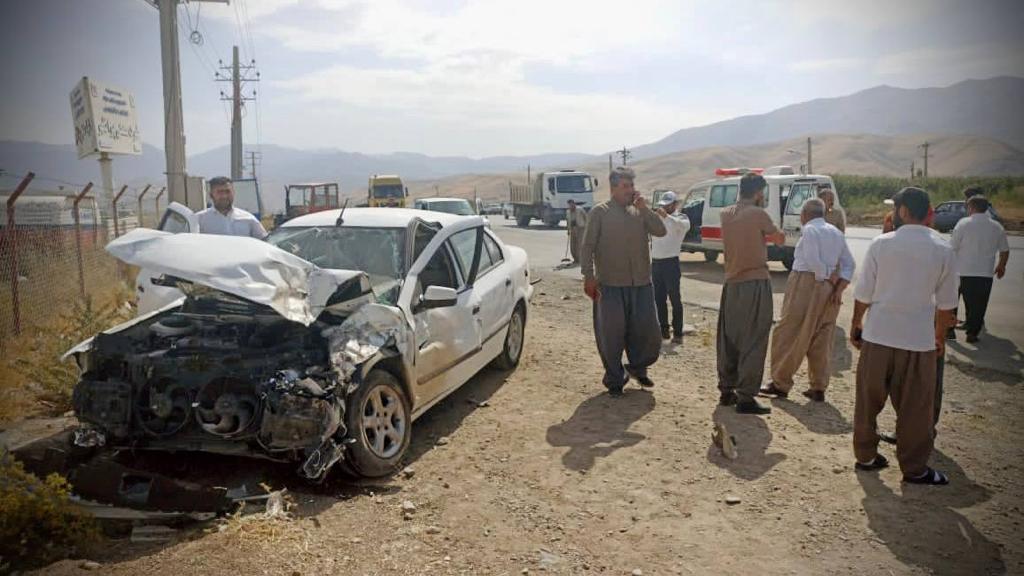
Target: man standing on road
{"x": 833, "y": 214}
{"x": 822, "y": 269}
{"x": 615, "y": 261}
{"x": 576, "y": 223}
{"x": 909, "y": 285}
{"x": 976, "y": 241}
{"x": 665, "y": 266}
{"x": 223, "y": 218}
{"x": 745, "y": 311}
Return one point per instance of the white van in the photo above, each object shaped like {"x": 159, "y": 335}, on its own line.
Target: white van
{"x": 785, "y": 197}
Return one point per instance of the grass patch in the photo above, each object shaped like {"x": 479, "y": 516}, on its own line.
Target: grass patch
{"x": 39, "y": 524}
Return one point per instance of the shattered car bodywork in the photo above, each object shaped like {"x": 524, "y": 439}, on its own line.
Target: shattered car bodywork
{"x": 256, "y": 360}
{"x": 319, "y": 346}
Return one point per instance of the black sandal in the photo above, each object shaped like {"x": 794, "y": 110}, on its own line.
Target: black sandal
{"x": 877, "y": 464}
{"x": 931, "y": 477}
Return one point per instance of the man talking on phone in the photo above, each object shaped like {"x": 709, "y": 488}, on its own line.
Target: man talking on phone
{"x": 615, "y": 260}
{"x": 908, "y": 290}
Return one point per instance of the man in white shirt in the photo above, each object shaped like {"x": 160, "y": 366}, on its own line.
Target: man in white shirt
{"x": 976, "y": 241}
{"x": 822, "y": 269}
{"x": 223, "y": 218}
{"x": 665, "y": 266}
{"x": 908, "y": 288}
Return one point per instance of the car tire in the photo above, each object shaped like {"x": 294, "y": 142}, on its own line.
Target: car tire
{"x": 523, "y": 221}
{"x": 379, "y": 418}
{"x": 711, "y": 256}
{"x": 515, "y": 337}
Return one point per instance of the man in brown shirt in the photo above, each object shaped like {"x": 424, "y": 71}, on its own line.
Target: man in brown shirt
{"x": 745, "y": 311}
{"x": 833, "y": 214}
{"x": 616, "y": 263}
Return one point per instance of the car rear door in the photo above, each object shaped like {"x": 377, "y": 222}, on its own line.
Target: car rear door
{"x": 799, "y": 193}
{"x": 720, "y": 195}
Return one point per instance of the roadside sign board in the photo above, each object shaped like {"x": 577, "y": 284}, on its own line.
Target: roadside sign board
{"x": 104, "y": 118}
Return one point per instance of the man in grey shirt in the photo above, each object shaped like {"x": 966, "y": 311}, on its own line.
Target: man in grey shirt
{"x": 223, "y": 218}
{"x": 616, "y": 263}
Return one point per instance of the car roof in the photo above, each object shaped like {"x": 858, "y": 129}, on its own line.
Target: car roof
{"x": 442, "y": 199}
{"x": 373, "y": 218}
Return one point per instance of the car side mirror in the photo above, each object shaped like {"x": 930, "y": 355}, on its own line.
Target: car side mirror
{"x": 438, "y": 297}
{"x": 596, "y": 183}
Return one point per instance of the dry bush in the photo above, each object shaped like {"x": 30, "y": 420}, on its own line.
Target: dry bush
{"x": 39, "y": 524}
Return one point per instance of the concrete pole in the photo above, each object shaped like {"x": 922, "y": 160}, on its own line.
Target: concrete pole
{"x": 174, "y": 127}
{"x": 236, "y": 117}
{"x": 809, "y": 169}
{"x": 106, "y": 185}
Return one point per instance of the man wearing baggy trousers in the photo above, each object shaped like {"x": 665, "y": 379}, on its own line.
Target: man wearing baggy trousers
{"x": 615, "y": 261}
{"x": 665, "y": 266}
{"x": 908, "y": 289}
{"x": 745, "y": 311}
{"x": 822, "y": 268}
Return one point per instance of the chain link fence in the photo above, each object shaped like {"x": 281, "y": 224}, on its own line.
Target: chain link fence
{"x": 52, "y": 240}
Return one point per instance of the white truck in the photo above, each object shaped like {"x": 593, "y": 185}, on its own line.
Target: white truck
{"x": 548, "y": 198}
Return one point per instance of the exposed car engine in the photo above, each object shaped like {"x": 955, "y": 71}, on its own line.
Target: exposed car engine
{"x": 218, "y": 374}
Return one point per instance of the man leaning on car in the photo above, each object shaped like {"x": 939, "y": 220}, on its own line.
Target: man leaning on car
{"x": 223, "y": 217}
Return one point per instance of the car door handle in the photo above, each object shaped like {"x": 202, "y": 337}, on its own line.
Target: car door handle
{"x": 508, "y": 281}
{"x": 476, "y": 310}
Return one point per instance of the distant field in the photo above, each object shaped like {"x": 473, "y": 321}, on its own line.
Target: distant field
{"x": 862, "y": 196}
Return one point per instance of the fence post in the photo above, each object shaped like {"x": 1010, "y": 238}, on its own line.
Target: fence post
{"x": 78, "y": 238}
{"x": 141, "y": 194}
{"x": 117, "y": 229}
{"x": 12, "y": 248}
{"x": 156, "y": 204}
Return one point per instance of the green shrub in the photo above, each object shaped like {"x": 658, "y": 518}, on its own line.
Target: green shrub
{"x": 38, "y": 523}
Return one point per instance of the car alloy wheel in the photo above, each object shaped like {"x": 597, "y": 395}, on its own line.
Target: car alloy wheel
{"x": 382, "y": 422}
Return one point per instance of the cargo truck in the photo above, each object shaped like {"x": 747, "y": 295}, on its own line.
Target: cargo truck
{"x": 386, "y": 191}
{"x": 547, "y": 199}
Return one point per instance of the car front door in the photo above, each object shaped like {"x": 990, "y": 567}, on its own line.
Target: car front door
{"x": 446, "y": 337}
{"x": 177, "y": 219}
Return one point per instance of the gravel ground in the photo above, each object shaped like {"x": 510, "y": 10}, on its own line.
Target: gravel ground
{"x": 538, "y": 471}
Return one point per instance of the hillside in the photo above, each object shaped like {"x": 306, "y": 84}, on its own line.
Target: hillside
{"x": 988, "y": 108}
{"x": 847, "y": 154}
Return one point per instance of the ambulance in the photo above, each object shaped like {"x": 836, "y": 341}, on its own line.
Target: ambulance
{"x": 784, "y": 195}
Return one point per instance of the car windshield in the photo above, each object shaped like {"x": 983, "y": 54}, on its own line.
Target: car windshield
{"x": 387, "y": 191}
{"x": 380, "y": 252}
{"x": 573, "y": 184}
{"x": 459, "y": 207}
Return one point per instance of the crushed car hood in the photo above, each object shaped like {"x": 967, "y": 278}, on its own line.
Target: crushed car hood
{"x": 245, "y": 267}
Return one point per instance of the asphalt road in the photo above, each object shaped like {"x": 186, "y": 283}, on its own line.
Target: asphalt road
{"x": 1000, "y": 347}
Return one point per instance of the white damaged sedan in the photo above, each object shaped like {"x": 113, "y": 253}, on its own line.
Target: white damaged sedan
{"x": 319, "y": 346}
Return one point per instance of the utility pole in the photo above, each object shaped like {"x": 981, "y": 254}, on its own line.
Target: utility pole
{"x": 239, "y": 74}
{"x": 174, "y": 126}
{"x": 625, "y": 153}
{"x": 609, "y": 163}
{"x": 911, "y": 170}
{"x": 809, "y": 169}
{"x": 925, "y": 147}
{"x": 254, "y": 159}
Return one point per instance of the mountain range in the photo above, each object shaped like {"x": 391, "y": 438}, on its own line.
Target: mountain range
{"x": 975, "y": 128}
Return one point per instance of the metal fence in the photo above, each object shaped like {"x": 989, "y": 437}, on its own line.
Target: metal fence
{"x": 52, "y": 247}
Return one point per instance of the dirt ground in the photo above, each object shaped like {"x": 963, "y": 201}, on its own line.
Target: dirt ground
{"x": 552, "y": 475}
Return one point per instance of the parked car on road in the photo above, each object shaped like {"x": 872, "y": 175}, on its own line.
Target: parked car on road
{"x": 319, "y": 346}
{"x": 947, "y": 214}
{"x": 457, "y": 206}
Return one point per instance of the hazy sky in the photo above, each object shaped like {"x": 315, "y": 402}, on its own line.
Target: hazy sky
{"x": 490, "y": 77}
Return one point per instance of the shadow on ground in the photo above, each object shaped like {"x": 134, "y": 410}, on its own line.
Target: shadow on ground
{"x": 922, "y": 529}
{"x": 817, "y": 417}
{"x": 752, "y": 438}
{"x": 842, "y": 355}
{"x": 600, "y": 426}
{"x": 992, "y": 359}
